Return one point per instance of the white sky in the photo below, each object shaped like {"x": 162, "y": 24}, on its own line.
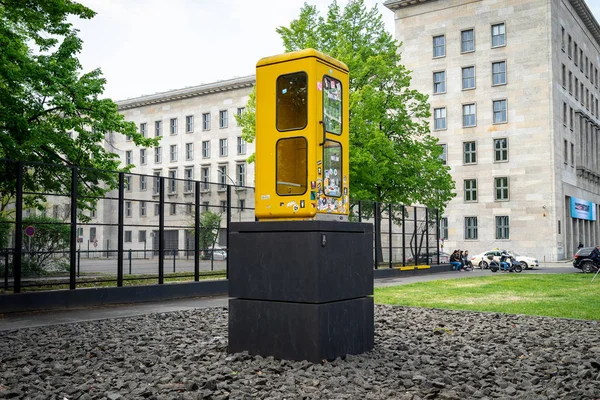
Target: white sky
{"x": 149, "y": 46}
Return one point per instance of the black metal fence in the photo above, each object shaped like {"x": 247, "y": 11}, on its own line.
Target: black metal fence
{"x": 148, "y": 228}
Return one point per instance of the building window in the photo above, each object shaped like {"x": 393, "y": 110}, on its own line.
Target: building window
{"x": 500, "y": 150}
{"x": 439, "y": 82}
{"x": 468, "y": 78}
{"x": 141, "y": 236}
{"x": 562, "y": 38}
{"x": 205, "y": 172}
{"x": 502, "y": 231}
{"x": 128, "y": 209}
{"x": 127, "y": 182}
{"x": 241, "y": 174}
{"x": 467, "y": 41}
{"x": 469, "y": 115}
{"x": 499, "y": 73}
{"x": 569, "y": 47}
{"x": 572, "y": 155}
{"x": 206, "y": 121}
{"x": 129, "y": 157}
{"x": 156, "y": 182}
{"x": 143, "y": 130}
{"x": 223, "y": 119}
{"x": 127, "y": 236}
{"x": 158, "y": 155}
{"x": 156, "y": 210}
{"x": 241, "y": 204}
{"x": 189, "y": 124}
{"x": 439, "y": 46}
{"x": 173, "y": 181}
{"x": 241, "y": 145}
{"x": 575, "y": 53}
{"x": 499, "y": 111}
{"x": 157, "y": 128}
{"x": 439, "y": 118}
{"x": 189, "y": 151}
{"x": 188, "y": 173}
{"x": 223, "y": 147}
{"x": 223, "y": 205}
{"x": 143, "y": 209}
{"x": 498, "y": 35}
{"x": 470, "y": 153}
{"x": 470, "y": 189}
{"x": 570, "y": 82}
{"x": 173, "y": 126}
{"x": 564, "y": 113}
{"x": 240, "y": 111}
{"x": 576, "y": 88}
{"x": 92, "y": 213}
{"x": 444, "y": 228}
{"x": 173, "y": 152}
{"x": 471, "y": 228}
{"x": 565, "y": 151}
{"x": 222, "y": 177}
{"x": 444, "y": 155}
{"x": 143, "y": 156}
{"x": 501, "y": 188}
{"x": 92, "y": 234}
{"x": 206, "y": 149}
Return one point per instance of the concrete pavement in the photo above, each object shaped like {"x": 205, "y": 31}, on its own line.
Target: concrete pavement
{"x": 28, "y": 320}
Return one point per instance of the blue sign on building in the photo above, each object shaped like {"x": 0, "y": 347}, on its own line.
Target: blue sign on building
{"x": 582, "y": 209}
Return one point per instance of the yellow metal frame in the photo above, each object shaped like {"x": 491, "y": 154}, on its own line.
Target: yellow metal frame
{"x": 302, "y": 196}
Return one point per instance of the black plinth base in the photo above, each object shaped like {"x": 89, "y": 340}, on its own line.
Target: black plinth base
{"x": 301, "y": 331}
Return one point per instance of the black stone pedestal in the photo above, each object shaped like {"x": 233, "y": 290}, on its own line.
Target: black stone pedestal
{"x": 300, "y": 290}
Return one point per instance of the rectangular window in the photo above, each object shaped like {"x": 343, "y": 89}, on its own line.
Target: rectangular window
{"x": 565, "y": 151}
{"x": 572, "y": 155}
{"x": 92, "y": 234}
{"x": 444, "y": 155}
{"x": 222, "y": 147}
{"x": 206, "y": 149}
{"x": 241, "y": 145}
{"x": 143, "y": 183}
{"x": 205, "y": 172}
{"x": 240, "y": 111}
{"x": 439, "y": 82}
{"x": 172, "y": 209}
{"x": 444, "y": 228}
{"x": 470, "y": 189}
{"x": 502, "y": 227}
{"x": 142, "y": 236}
{"x": 127, "y": 236}
{"x": 500, "y": 111}
{"x": 499, "y": 73}
{"x": 189, "y": 124}
{"x": 501, "y": 150}
{"x": 143, "y": 129}
{"x": 467, "y": 41}
{"x": 222, "y": 177}
{"x": 93, "y": 213}
{"x": 172, "y": 181}
{"x": 156, "y": 182}
{"x": 569, "y": 47}
{"x": 158, "y": 155}
{"x": 468, "y": 78}
{"x": 292, "y": 101}
{"x": 439, "y": 46}
{"x": 206, "y": 121}
{"x": 189, "y": 151}
{"x": 581, "y": 59}
{"x": 128, "y": 209}
{"x": 575, "y": 53}
{"x": 157, "y": 128}
{"x": 173, "y": 126}
{"x": 439, "y": 118}
{"x": 501, "y": 188}
{"x": 576, "y": 88}
{"x": 156, "y": 209}
{"x": 223, "y": 205}
{"x": 241, "y": 174}
{"x": 188, "y": 174}
{"x": 223, "y": 119}
{"x": 143, "y": 209}
{"x": 291, "y": 173}
{"x": 471, "y": 228}
{"x": 564, "y": 76}
{"x": 143, "y": 156}
{"x": 564, "y": 114}
{"x": 129, "y": 157}
{"x": 469, "y": 115}
{"x": 173, "y": 152}
{"x": 470, "y": 153}
{"x": 127, "y": 182}
{"x": 562, "y": 38}
{"x": 498, "y": 35}
{"x": 241, "y": 204}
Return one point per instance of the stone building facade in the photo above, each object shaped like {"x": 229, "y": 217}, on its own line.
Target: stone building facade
{"x": 513, "y": 88}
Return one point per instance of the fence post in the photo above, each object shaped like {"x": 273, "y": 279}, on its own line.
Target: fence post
{"x": 129, "y": 255}
{"x": 197, "y": 232}
{"x": 427, "y": 232}
{"x": 227, "y": 226}
{"x": 121, "y": 221}
{"x": 377, "y": 232}
{"x": 161, "y": 230}
{"x": 390, "y": 232}
{"x": 437, "y": 233}
{"x": 18, "y": 230}
{"x": 415, "y": 233}
{"x": 78, "y": 263}
{"x": 73, "y": 248}
{"x": 403, "y": 235}
{"x": 107, "y": 246}
{"x": 6, "y": 270}
{"x": 360, "y": 211}
{"x": 173, "y": 260}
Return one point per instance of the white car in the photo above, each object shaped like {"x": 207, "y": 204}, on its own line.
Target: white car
{"x": 482, "y": 260}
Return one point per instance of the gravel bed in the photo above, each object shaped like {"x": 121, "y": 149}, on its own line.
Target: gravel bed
{"x": 419, "y": 354}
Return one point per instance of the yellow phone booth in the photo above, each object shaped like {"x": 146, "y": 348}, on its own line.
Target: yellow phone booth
{"x": 301, "y": 137}
{"x": 300, "y": 278}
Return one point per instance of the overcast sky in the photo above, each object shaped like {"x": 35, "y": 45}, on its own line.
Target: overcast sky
{"x": 149, "y": 46}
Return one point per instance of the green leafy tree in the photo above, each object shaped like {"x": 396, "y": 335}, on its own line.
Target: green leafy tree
{"x": 210, "y": 222}
{"x": 44, "y": 252}
{"x": 247, "y": 120}
{"x": 50, "y": 112}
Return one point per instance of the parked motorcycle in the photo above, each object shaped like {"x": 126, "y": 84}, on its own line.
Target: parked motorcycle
{"x": 514, "y": 265}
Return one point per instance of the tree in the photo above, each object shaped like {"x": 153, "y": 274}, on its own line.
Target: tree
{"x": 247, "y": 120}
{"x": 50, "y": 112}
{"x": 45, "y": 249}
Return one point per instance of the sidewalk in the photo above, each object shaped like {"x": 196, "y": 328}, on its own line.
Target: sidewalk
{"x": 29, "y": 320}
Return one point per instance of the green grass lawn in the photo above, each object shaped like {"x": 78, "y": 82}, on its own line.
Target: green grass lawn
{"x": 552, "y": 295}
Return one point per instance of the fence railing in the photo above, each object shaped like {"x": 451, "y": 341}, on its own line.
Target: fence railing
{"x": 150, "y": 228}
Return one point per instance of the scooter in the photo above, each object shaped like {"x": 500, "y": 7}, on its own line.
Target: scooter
{"x": 514, "y": 265}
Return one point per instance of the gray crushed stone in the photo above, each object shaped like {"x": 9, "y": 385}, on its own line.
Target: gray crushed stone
{"x": 419, "y": 354}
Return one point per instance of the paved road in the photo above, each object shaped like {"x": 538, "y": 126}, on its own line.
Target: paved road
{"x": 26, "y": 320}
